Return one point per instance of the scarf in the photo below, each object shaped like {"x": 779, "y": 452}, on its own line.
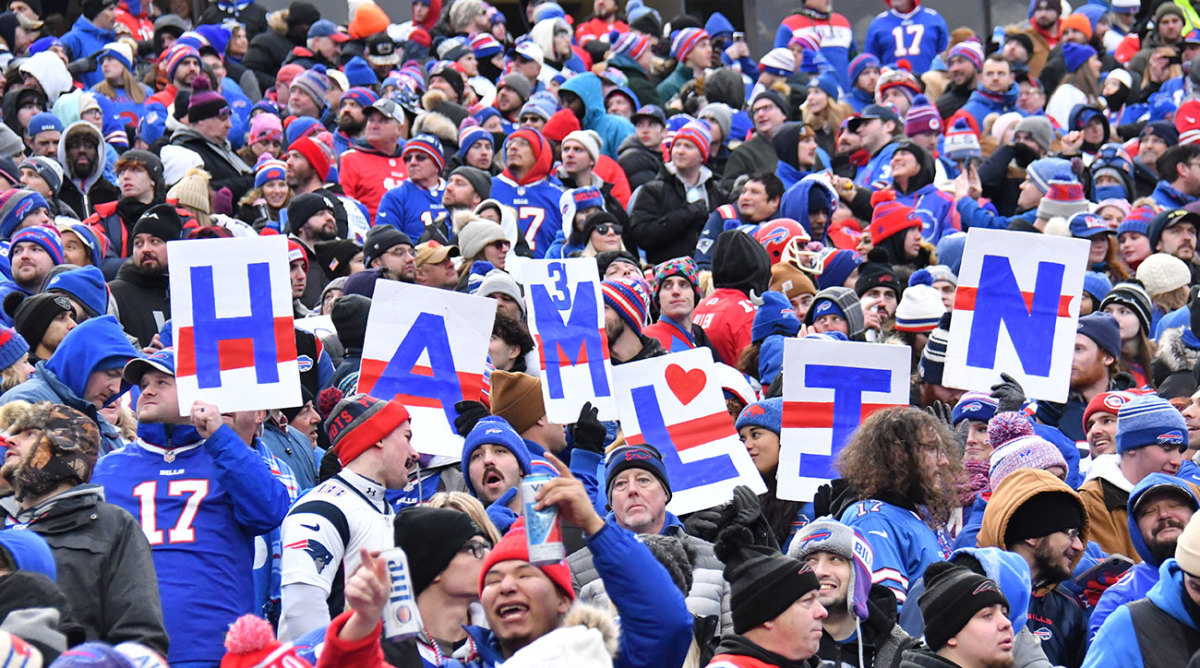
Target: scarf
{"x": 974, "y": 481}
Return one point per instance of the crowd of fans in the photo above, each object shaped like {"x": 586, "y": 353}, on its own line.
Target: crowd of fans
{"x": 731, "y": 200}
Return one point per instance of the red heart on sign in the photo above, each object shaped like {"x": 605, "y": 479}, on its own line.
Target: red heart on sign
{"x": 685, "y": 385}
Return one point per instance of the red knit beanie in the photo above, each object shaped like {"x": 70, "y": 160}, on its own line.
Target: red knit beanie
{"x": 250, "y": 642}
{"x": 514, "y": 547}
{"x": 316, "y": 155}
{"x": 889, "y": 217}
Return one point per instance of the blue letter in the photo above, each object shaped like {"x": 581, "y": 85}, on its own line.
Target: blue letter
{"x": 575, "y": 340}
{"x": 209, "y": 330}
{"x": 999, "y": 300}
{"x": 848, "y": 384}
{"x": 656, "y": 433}
{"x": 428, "y": 333}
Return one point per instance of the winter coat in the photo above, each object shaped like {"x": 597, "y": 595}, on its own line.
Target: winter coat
{"x": 83, "y": 195}
{"x": 252, "y": 16}
{"x": 882, "y": 640}
{"x": 1137, "y": 581}
{"x": 755, "y": 155}
{"x": 1174, "y": 360}
{"x": 639, "y": 162}
{"x": 1174, "y": 631}
{"x": 612, "y": 129}
{"x": 678, "y": 78}
{"x": 923, "y": 658}
{"x": 736, "y": 651}
{"x": 709, "y": 596}
{"x": 953, "y": 99}
{"x": 1106, "y": 500}
{"x": 227, "y": 168}
{"x": 367, "y": 173}
{"x": 104, "y": 566}
{"x": 143, "y": 300}
{"x": 267, "y": 50}
{"x": 663, "y": 223}
{"x": 84, "y": 39}
{"x": 983, "y": 103}
{"x": 638, "y": 80}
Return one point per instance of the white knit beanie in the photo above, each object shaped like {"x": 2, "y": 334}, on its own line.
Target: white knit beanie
{"x": 920, "y": 309}
{"x": 1163, "y": 273}
{"x": 590, "y": 141}
{"x": 477, "y": 234}
{"x": 1187, "y": 548}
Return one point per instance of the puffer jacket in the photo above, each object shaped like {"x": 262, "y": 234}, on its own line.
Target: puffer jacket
{"x": 268, "y": 49}
{"x": 104, "y": 566}
{"x": 1174, "y": 359}
{"x": 227, "y": 168}
{"x": 84, "y": 39}
{"x": 1120, "y": 644}
{"x": 1137, "y": 581}
{"x": 709, "y": 596}
{"x": 663, "y": 223}
{"x": 984, "y": 102}
{"x": 612, "y": 129}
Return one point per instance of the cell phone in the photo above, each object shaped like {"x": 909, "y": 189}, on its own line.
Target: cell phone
{"x": 1176, "y": 59}
{"x": 739, "y": 36}
{"x": 1111, "y": 568}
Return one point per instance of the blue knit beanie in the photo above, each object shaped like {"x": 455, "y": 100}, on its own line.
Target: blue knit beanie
{"x": 838, "y": 267}
{"x": 1075, "y": 55}
{"x": 1104, "y": 330}
{"x": 974, "y": 406}
{"x": 1150, "y": 420}
{"x": 497, "y": 431}
{"x": 1045, "y": 170}
{"x": 46, "y": 237}
{"x": 774, "y": 316}
{"x": 767, "y": 414}
{"x": 359, "y": 73}
{"x": 1097, "y": 285}
{"x": 825, "y": 306}
{"x": 635, "y": 456}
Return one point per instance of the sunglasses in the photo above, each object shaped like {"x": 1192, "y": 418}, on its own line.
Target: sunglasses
{"x": 605, "y": 228}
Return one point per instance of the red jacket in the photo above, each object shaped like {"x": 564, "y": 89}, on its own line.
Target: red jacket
{"x": 598, "y": 28}
{"x": 367, "y": 174}
{"x": 363, "y": 653}
{"x": 726, "y": 318}
{"x": 608, "y": 169}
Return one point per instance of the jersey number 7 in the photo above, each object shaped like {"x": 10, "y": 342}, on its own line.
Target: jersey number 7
{"x": 148, "y": 507}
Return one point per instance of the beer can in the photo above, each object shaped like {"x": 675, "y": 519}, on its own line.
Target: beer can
{"x": 401, "y": 619}
{"x": 542, "y": 530}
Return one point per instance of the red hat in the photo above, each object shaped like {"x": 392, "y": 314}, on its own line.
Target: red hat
{"x": 296, "y": 252}
{"x": 889, "y": 217}
{"x": 359, "y": 421}
{"x": 514, "y": 547}
{"x": 317, "y": 155}
{"x": 1106, "y": 402}
{"x": 561, "y": 124}
{"x": 251, "y": 643}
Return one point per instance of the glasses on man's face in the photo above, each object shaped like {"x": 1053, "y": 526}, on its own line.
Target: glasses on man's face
{"x": 531, "y": 119}
{"x": 225, "y": 113}
{"x": 400, "y": 251}
{"x": 415, "y": 157}
{"x": 476, "y": 548}
{"x": 605, "y": 228}
{"x": 762, "y": 109}
{"x": 1073, "y": 534}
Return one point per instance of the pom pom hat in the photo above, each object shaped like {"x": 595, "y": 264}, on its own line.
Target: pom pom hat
{"x": 890, "y": 217}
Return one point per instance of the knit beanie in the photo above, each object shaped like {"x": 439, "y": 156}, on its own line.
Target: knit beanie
{"x": 477, "y": 234}
{"x": 428, "y": 145}
{"x": 775, "y": 316}
{"x": 1025, "y": 452}
{"x": 1187, "y": 549}
{"x": 378, "y": 240}
{"x": 360, "y": 75}
{"x": 778, "y": 61}
{"x": 359, "y": 421}
{"x": 1137, "y": 221}
{"x": 962, "y": 142}
{"x": 860, "y": 64}
{"x": 13, "y": 347}
{"x": 65, "y": 450}
{"x": 271, "y": 169}
{"x": 1006, "y": 426}
{"x": 251, "y": 643}
{"x": 699, "y": 133}
{"x": 1106, "y": 402}
{"x": 766, "y": 414}
{"x": 829, "y": 535}
{"x": 32, "y": 315}
{"x": 314, "y": 83}
{"x": 680, "y": 266}
{"x": 45, "y": 237}
{"x": 1040, "y": 130}
{"x": 921, "y": 307}
{"x": 1133, "y": 295}
{"x": 205, "y": 102}
{"x": 15, "y": 205}
{"x": 515, "y": 547}
{"x": 589, "y": 140}
{"x": 684, "y": 41}
{"x": 493, "y": 430}
{"x": 1162, "y": 273}
{"x": 469, "y": 136}
{"x": 878, "y": 275}
{"x": 266, "y": 127}
{"x": 632, "y": 44}
{"x": 430, "y": 537}
{"x": 1075, "y": 55}
{"x": 630, "y": 298}
{"x": 517, "y": 398}
{"x": 301, "y": 126}
{"x": 499, "y": 282}
{"x": 1063, "y": 199}
{"x": 922, "y": 117}
{"x": 92, "y": 655}
{"x": 484, "y": 46}
{"x": 83, "y": 284}
{"x": 47, "y": 168}
{"x": 1103, "y": 329}
{"x": 517, "y": 83}
{"x": 1043, "y": 513}
{"x": 952, "y": 596}
{"x": 791, "y": 280}
{"x": 933, "y": 357}
{"x": 176, "y": 55}
{"x": 349, "y": 316}
{"x": 889, "y": 217}
{"x": 836, "y": 265}
{"x": 762, "y": 582}
{"x": 316, "y": 153}
{"x": 192, "y": 191}
{"x": 1149, "y": 420}
{"x": 970, "y": 49}
{"x": 645, "y": 457}
{"x": 974, "y": 406}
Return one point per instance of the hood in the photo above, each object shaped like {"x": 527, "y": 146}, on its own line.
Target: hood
{"x": 9, "y": 106}
{"x": 1172, "y": 353}
{"x": 51, "y": 73}
{"x": 589, "y": 89}
{"x": 794, "y": 203}
{"x": 431, "y": 17}
{"x": 589, "y": 635}
{"x": 86, "y": 285}
{"x": 83, "y": 127}
{"x": 717, "y": 24}
{"x": 543, "y": 156}
{"x": 741, "y": 263}
{"x": 1152, "y": 480}
{"x": 1009, "y": 570}
{"x": 1107, "y": 467}
{"x": 1017, "y": 488}
{"x": 96, "y": 344}
{"x": 542, "y": 34}
{"x": 786, "y": 140}
{"x": 928, "y": 169}
{"x": 1168, "y": 593}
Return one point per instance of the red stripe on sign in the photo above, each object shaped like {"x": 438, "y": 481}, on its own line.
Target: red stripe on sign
{"x": 235, "y": 353}
{"x": 964, "y": 300}
{"x": 691, "y": 433}
{"x": 563, "y": 358}
{"x": 818, "y": 414}
{"x": 371, "y": 370}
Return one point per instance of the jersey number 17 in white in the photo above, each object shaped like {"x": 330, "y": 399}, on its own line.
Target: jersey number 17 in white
{"x": 182, "y": 531}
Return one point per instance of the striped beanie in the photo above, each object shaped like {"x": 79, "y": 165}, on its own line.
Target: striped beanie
{"x": 1133, "y": 295}
{"x": 933, "y": 357}
{"x": 971, "y": 50}
{"x": 18, "y": 204}
{"x": 889, "y": 216}
{"x": 861, "y": 63}
{"x": 780, "y": 62}
{"x": 1137, "y": 221}
{"x": 1150, "y": 420}
{"x": 359, "y": 421}
{"x": 46, "y": 237}
{"x": 922, "y": 117}
{"x": 685, "y": 40}
{"x": 1024, "y": 452}
{"x": 296, "y": 252}
{"x": 699, "y": 133}
{"x": 470, "y": 135}
{"x": 961, "y": 143}
{"x": 365, "y": 97}
{"x": 313, "y": 83}
{"x": 12, "y": 347}
{"x": 1043, "y": 170}
{"x": 630, "y": 298}
{"x": 920, "y": 309}
{"x": 271, "y": 169}
{"x": 807, "y": 41}
{"x": 632, "y": 44}
{"x": 1063, "y": 199}
{"x": 177, "y": 55}
{"x": 428, "y": 144}
{"x": 484, "y": 46}
{"x": 975, "y": 406}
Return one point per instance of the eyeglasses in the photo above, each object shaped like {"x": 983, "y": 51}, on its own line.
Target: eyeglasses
{"x": 762, "y": 109}
{"x": 605, "y": 228}
{"x": 477, "y": 548}
{"x": 225, "y": 113}
{"x": 531, "y": 119}
{"x": 400, "y": 251}
{"x": 418, "y": 157}
{"x": 1072, "y": 533}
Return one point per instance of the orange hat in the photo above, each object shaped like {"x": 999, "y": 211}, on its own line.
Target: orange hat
{"x": 1078, "y": 22}
{"x": 368, "y": 20}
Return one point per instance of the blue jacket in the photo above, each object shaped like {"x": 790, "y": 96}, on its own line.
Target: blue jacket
{"x": 1137, "y": 581}
{"x": 1007, "y": 569}
{"x": 656, "y": 627}
{"x": 1167, "y": 196}
{"x": 794, "y": 203}
{"x": 612, "y": 129}
{"x": 981, "y": 103}
{"x": 972, "y": 215}
{"x": 1116, "y": 643}
{"x": 84, "y": 39}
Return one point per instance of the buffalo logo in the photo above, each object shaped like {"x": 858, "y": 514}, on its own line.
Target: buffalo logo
{"x": 1044, "y": 634}
{"x": 1169, "y": 438}
{"x": 637, "y": 455}
{"x": 493, "y": 430}
{"x": 305, "y": 362}
{"x": 755, "y": 411}
{"x": 972, "y": 407}
{"x": 817, "y": 537}
{"x": 321, "y": 555}
{"x": 777, "y": 235}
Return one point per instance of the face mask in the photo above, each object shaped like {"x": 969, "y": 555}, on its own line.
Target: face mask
{"x": 1110, "y": 192}
{"x": 1117, "y": 99}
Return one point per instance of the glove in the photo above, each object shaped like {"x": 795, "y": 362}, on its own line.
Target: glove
{"x": 1023, "y": 154}
{"x": 469, "y": 413}
{"x": 704, "y": 524}
{"x": 1009, "y": 393}
{"x": 746, "y": 510}
{"x": 588, "y": 432}
{"x": 1092, "y": 589}
{"x": 942, "y": 411}
{"x": 499, "y": 512}
{"x": 833, "y": 497}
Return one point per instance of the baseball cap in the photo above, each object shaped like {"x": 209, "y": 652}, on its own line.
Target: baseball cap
{"x": 162, "y": 361}
{"x": 327, "y": 28}
{"x": 650, "y": 111}
{"x": 433, "y": 252}
{"x": 873, "y": 111}
{"x": 389, "y": 108}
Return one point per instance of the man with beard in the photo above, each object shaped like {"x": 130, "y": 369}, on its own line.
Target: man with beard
{"x": 1156, "y": 138}
{"x": 1160, "y": 506}
{"x": 1039, "y": 517}
{"x": 140, "y": 177}
{"x": 389, "y": 252}
{"x": 923, "y": 455}
{"x": 963, "y": 64}
{"x": 512, "y": 92}
{"x": 373, "y": 166}
{"x": 310, "y": 221}
{"x": 626, "y": 308}
{"x": 1093, "y": 370}
{"x": 494, "y": 461}
{"x": 183, "y": 65}
{"x": 1174, "y": 231}
{"x": 83, "y": 160}
{"x": 32, "y": 253}
{"x": 351, "y": 121}
{"x": 142, "y": 287}
{"x": 308, "y": 164}
{"x": 1043, "y": 31}
{"x": 604, "y": 20}
{"x": 466, "y": 188}
{"x": 1151, "y": 438}
{"x": 207, "y": 133}
{"x": 878, "y": 290}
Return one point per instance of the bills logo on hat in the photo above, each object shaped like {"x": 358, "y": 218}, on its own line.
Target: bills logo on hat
{"x": 1170, "y": 438}
{"x": 972, "y": 407}
{"x": 637, "y": 454}
{"x": 824, "y": 307}
{"x": 817, "y": 537}
{"x": 755, "y": 410}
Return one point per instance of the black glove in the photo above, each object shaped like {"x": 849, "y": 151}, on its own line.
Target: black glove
{"x": 469, "y": 413}
{"x": 833, "y": 498}
{"x": 1023, "y": 154}
{"x": 746, "y": 510}
{"x": 1009, "y": 393}
{"x": 942, "y": 411}
{"x": 704, "y": 524}
{"x": 588, "y": 432}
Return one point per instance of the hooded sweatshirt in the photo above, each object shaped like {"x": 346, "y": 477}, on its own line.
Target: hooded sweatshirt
{"x": 533, "y": 196}
{"x": 741, "y": 266}
{"x": 612, "y": 129}
{"x": 1120, "y": 644}
{"x": 936, "y": 208}
{"x": 83, "y": 195}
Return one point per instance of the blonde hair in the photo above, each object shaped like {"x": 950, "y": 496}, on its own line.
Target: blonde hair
{"x": 465, "y": 503}
{"x": 133, "y": 87}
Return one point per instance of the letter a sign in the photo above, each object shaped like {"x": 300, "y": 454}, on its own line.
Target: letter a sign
{"x": 231, "y": 306}
{"x": 566, "y": 318}
{"x": 1015, "y": 311}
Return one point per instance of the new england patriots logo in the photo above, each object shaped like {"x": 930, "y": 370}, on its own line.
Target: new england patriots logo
{"x": 321, "y": 555}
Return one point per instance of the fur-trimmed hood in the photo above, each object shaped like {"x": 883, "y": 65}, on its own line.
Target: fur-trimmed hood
{"x": 277, "y": 21}
{"x": 588, "y": 638}
{"x": 1173, "y": 353}
{"x": 437, "y": 102}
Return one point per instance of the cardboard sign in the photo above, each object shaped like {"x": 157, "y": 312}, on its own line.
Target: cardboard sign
{"x": 1015, "y": 311}
{"x": 675, "y": 404}
{"x": 426, "y": 348}
{"x": 832, "y": 386}
{"x": 566, "y": 319}
{"x": 231, "y": 307}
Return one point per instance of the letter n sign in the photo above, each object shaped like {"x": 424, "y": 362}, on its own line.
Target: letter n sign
{"x": 566, "y": 318}
{"x": 1015, "y": 312}
{"x": 231, "y": 306}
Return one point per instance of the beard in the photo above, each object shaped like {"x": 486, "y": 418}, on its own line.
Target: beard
{"x": 351, "y": 125}
{"x": 615, "y": 330}
{"x": 1049, "y": 564}
{"x": 83, "y": 167}
{"x": 149, "y": 270}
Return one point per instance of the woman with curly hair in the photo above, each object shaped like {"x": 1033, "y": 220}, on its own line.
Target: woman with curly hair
{"x": 902, "y": 463}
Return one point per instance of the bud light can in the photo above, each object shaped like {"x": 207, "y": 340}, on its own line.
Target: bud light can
{"x": 542, "y": 529}
{"x": 401, "y": 619}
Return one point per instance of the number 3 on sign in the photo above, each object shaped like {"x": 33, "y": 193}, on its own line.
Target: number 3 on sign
{"x": 916, "y": 31}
